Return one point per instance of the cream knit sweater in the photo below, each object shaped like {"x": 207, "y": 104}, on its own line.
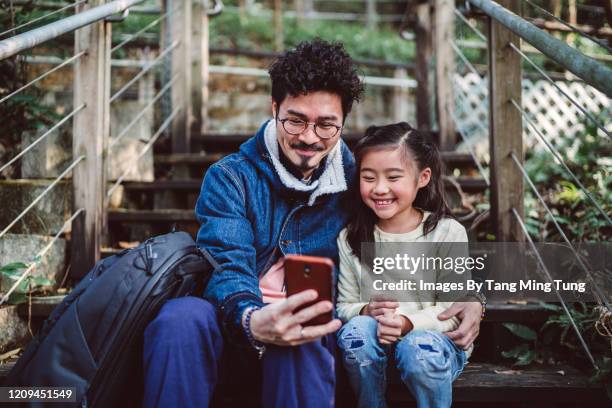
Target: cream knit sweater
{"x": 423, "y": 315}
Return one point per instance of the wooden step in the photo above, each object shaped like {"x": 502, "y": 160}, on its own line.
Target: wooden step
{"x": 201, "y": 159}
{"x": 230, "y": 142}
{"x": 168, "y": 215}
{"x": 496, "y": 312}
{"x": 161, "y": 216}
{"x": 489, "y": 383}
{"x": 206, "y": 159}
{"x": 467, "y": 184}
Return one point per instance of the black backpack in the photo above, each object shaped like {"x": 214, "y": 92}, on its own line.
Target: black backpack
{"x": 93, "y": 340}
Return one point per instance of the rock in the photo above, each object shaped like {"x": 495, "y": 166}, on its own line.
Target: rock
{"x": 24, "y": 248}
{"x": 14, "y": 328}
{"x": 54, "y": 153}
{"x": 123, "y": 154}
{"x": 47, "y": 217}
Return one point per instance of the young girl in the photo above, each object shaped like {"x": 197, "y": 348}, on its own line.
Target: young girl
{"x": 402, "y": 195}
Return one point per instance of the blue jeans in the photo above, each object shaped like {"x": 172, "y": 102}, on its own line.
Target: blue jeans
{"x": 428, "y": 363}
{"x": 185, "y": 352}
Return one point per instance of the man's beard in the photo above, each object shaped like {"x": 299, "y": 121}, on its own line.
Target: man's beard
{"x": 304, "y": 164}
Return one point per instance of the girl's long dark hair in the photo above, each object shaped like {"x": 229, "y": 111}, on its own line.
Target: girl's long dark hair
{"x": 418, "y": 147}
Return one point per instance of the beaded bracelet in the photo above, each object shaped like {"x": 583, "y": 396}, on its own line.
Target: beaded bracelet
{"x": 246, "y": 325}
{"x": 483, "y": 302}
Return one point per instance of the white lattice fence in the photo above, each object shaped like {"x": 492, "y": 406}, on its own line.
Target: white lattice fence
{"x": 551, "y": 111}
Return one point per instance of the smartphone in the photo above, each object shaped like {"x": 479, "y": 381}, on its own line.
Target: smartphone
{"x": 310, "y": 272}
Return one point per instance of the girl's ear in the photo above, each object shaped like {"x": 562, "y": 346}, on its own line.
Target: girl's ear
{"x": 424, "y": 177}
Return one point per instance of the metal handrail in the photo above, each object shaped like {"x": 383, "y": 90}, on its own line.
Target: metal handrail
{"x": 592, "y": 72}
{"x": 553, "y": 83}
{"x": 27, "y": 40}
{"x": 19, "y": 27}
{"x": 565, "y": 23}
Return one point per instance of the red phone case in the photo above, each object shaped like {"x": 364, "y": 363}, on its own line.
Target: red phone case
{"x": 310, "y": 272}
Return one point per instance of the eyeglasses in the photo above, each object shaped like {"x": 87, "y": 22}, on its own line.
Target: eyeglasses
{"x": 297, "y": 126}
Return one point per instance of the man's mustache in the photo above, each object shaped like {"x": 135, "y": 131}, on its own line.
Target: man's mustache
{"x": 304, "y": 146}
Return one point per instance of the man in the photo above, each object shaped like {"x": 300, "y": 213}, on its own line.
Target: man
{"x": 285, "y": 191}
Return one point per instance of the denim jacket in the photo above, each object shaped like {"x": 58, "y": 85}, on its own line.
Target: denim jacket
{"x": 252, "y": 210}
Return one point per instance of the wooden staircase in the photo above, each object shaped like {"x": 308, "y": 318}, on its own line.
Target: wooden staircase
{"x": 486, "y": 380}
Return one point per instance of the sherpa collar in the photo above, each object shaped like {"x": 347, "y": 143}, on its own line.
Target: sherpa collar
{"x": 331, "y": 181}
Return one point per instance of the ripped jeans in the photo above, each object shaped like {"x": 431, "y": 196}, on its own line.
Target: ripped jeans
{"x": 428, "y": 363}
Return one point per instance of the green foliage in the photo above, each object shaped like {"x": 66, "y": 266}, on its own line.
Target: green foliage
{"x": 588, "y": 156}
{"x": 557, "y": 341}
{"x": 257, "y": 33}
{"x": 521, "y": 331}
{"x": 11, "y": 273}
{"x": 23, "y": 112}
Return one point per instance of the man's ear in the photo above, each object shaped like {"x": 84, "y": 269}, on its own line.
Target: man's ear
{"x": 424, "y": 177}
{"x": 274, "y": 107}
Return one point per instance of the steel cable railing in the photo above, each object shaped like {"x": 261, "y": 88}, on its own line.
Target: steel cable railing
{"x": 589, "y": 70}
{"x": 38, "y": 78}
{"x": 143, "y": 111}
{"x": 40, "y": 255}
{"x": 37, "y": 19}
{"x": 553, "y": 83}
{"x": 568, "y": 25}
{"x": 146, "y": 69}
{"x": 42, "y": 137}
{"x": 557, "y": 155}
{"x": 42, "y": 195}
{"x": 21, "y": 42}
{"x": 542, "y": 41}
{"x": 150, "y": 143}
{"x": 601, "y": 298}
{"x": 469, "y": 143}
{"x": 472, "y": 27}
{"x": 138, "y": 33}
{"x": 561, "y": 300}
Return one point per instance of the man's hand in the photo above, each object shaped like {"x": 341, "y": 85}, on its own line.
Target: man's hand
{"x": 469, "y": 314}
{"x": 379, "y": 308}
{"x": 277, "y": 324}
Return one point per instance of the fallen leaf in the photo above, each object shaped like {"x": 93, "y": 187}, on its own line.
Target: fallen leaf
{"x": 508, "y": 372}
{"x": 517, "y": 302}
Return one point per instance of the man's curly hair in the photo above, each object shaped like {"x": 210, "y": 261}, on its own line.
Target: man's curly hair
{"x": 316, "y": 66}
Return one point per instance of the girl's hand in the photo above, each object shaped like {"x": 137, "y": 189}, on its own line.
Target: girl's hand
{"x": 391, "y": 327}
{"x": 379, "y": 308}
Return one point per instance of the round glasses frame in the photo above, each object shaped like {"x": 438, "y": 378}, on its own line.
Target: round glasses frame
{"x": 305, "y": 126}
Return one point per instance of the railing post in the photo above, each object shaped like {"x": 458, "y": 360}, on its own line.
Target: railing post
{"x": 180, "y": 28}
{"x": 505, "y": 127}
{"x": 400, "y": 97}
{"x": 443, "y": 34}
{"x": 424, "y": 58}
{"x": 90, "y": 136}
{"x": 371, "y": 14}
{"x": 199, "y": 94}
